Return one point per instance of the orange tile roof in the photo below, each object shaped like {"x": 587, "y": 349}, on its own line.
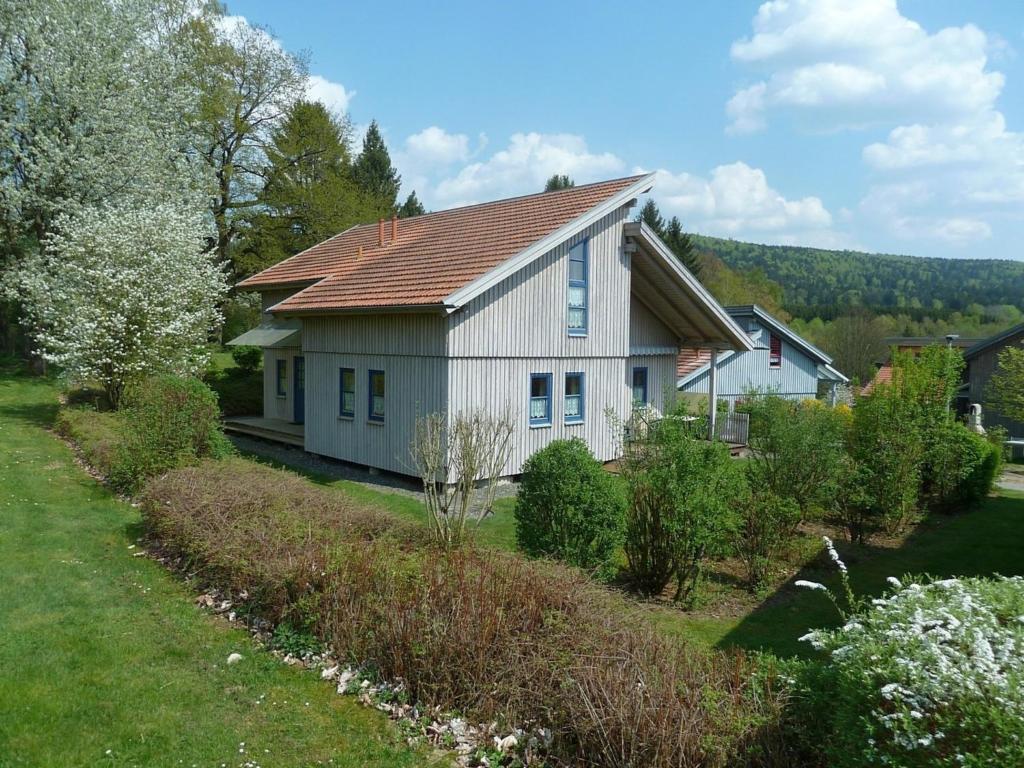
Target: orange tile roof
{"x": 435, "y": 254}
{"x": 882, "y": 376}
{"x": 690, "y": 359}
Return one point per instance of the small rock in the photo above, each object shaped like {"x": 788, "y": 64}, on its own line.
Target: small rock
{"x": 234, "y": 658}
{"x": 329, "y": 674}
{"x": 506, "y": 744}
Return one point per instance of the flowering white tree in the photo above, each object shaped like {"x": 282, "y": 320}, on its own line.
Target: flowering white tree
{"x": 120, "y": 292}
{"x": 95, "y": 105}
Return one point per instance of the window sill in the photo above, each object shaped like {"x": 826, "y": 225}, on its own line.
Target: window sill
{"x": 578, "y": 334}
{"x": 281, "y": 397}
{"x": 376, "y": 422}
{"x": 574, "y": 423}
{"x": 347, "y": 418}
{"x": 540, "y": 425}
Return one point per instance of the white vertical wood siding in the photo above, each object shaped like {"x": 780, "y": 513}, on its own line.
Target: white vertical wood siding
{"x": 797, "y": 378}
{"x": 491, "y": 383}
{"x": 527, "y": 314}
{"x": 275, "y": 407}
{"x": 661, "y": 379}
{"x": 410, "y": 351}
{"x": 646, "y": 331}
{"x": 520, "y": 327}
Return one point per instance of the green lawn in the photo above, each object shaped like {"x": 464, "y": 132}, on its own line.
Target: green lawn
{"x": 105, "y": 659}
{"x": 980, "y": 542}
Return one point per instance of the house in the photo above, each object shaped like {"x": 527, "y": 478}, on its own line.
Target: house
{"x": 982, "y": 360}
{"x": 781, "y": 362}
{"x": 557, "y": 305}
{"x": 913, "y": 345}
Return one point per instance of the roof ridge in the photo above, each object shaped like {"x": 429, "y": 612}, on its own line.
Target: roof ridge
{"x": 514, "y": 198}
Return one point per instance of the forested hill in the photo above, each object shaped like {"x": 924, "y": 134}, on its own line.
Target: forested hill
{"x": 821, "y": 282}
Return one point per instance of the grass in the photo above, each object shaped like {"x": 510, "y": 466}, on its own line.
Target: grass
{"x": 980, "y": 542}
{"x": 107, "y": 661}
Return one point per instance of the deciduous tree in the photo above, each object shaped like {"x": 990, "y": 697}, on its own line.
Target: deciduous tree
{"x": 121, "y": 292}
{"x": 557, "y": 182}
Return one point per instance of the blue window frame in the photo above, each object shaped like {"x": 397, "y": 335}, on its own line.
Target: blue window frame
{"x": 578, "y": 298}
{"x": 347, "y": 392}
{"x": 282, "y": 377}
{"x": 573, "y": 398}
{"x": 540, "y": 399}
{"x": 639, "y": 387}
{"x": 376, "y": 404}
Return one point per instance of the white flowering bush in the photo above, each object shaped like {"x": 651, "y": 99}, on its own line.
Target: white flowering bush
{"x": 121, "y": 292}
{"x": 930, "y": 675}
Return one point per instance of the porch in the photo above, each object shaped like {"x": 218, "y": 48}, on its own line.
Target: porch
{"x": 277, "y": 430}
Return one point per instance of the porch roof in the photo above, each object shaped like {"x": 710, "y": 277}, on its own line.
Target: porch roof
{"x": 271, "y": 333}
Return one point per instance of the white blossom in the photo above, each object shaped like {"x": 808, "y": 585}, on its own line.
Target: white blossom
{"x": 120, "y": 292}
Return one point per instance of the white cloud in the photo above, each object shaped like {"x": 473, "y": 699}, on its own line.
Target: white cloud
{"x": 957, "y": 231}
{"x": 850, "y": 62}
{"x": 332, "y": 95}
{"x": 523, "y": 167}
{"x": 736, "y": 200}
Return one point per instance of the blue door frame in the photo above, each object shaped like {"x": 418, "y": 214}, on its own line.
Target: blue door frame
{"x": 299, "y": 391}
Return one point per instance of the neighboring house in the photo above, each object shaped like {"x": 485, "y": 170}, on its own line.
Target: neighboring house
{"x": 982, "y": 361}
{"x": 913, "y": 345}
{"x": 781, "y": 362}
{"x": 556, "y": 305}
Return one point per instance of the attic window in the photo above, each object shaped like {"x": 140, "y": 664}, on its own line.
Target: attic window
{"x": 774, "y": 351}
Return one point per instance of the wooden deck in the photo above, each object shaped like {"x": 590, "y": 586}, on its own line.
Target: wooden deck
{"x": 269, "y": 429}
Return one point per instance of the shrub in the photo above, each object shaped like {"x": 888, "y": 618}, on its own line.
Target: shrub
{"x": 796, "y": 450}
{"x": 680, "y": 490}
{"x": 492, "y": 635}
{"x": 764, "y": 528}
{"x": 239, "y": 392}
{"x": 568, "y": 507}
{"x": 960, "y": 467}
{"x": 168, "y": 421}
{"x": 96, "y": 434}
{"x": 931, "y": 675}
{"x": 248, "y": 359}
{"x": 886, "y": 449}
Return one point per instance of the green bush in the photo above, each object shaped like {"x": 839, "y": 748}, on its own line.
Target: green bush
{"x": 929, "y": 676}
{"x": 168, "y": 422}
{"x": 248, "y": 359}
{"x": 239, "y": 392}
{"x": 96, "y": 434}
{"x": 765, "y": 525}
{"x": 960, "y": 467}
{"x": 796, "y": 449}
{"x": 681, "y": 491}
{"x": 569, "y": 508}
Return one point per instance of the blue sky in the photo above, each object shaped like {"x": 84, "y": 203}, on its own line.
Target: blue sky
{"x": 863, "y": 124}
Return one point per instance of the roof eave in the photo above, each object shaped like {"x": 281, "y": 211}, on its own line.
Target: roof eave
{"x": 796, "y": 339}
{"x": 436, "y": 308}
{"x": 512, "y": 265}
{"x": 739, "y": 338}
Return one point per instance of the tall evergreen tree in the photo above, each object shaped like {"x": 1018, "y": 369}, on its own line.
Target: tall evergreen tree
{"x": 374, "y": 172}
{"x": 682, "y": 246}
{"x": 411, "y": 207}
{"x": 651, "y": 216}
{"x": 309, "y": 194}
{"x": 557, "y": 182}
{"x": 673, "y": 235}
